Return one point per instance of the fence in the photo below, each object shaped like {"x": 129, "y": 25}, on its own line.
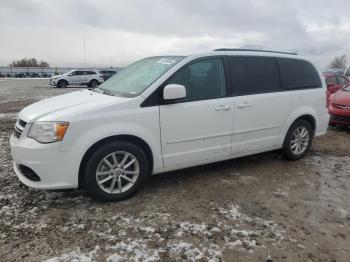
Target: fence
{"x": 40, "y": 70}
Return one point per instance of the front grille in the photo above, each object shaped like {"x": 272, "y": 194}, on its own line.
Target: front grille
{"x": 340, "y": 118}
{"x": 343, "y": 107}
{"x": 19, "y": 127}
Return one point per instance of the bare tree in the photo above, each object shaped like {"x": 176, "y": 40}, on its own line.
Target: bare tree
{"x": 339, "y": 62}
{"x": 29, "y": 62}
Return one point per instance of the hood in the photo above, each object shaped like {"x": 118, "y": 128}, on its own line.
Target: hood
{"x": 55, "y": 76}
{"x": 341, "y": 97}
{"x": 59, "y": 108}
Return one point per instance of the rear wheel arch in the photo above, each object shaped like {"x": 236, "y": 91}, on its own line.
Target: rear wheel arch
{"x": 126, "y": 138}
{"x": 309, "y": 118}
{"x": 90, "y": 84}
{"x": 298, "y": 139}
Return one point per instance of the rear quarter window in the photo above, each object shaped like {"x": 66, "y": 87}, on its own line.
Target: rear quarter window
{"x": 298, "y": 74}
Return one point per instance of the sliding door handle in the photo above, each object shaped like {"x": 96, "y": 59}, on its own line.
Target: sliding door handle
{"x": 222, "y": 107}
{"x": 244, "y": 105}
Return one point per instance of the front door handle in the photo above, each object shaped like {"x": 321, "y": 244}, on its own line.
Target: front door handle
{"x": 222, "y": 107}
{"x": 244, "y": 105}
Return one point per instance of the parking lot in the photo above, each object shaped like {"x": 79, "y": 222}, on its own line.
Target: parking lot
{"x": 247, "y": 209}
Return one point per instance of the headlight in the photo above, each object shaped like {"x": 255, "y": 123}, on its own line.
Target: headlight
{"x": 48, "y": 132}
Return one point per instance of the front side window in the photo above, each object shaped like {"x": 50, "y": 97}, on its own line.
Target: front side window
{"x": 254, "y": 75}
{"x": 298, "y": 74}
{"x": 135, "y": 78}
{"x": 203, "y": 79}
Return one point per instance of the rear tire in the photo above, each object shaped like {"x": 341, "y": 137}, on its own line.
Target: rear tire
{"x": 110, "y": 177}
{"x": 62, "y": 84}
{"x": 298, "y": 140}
{"x": 93, "y": 83}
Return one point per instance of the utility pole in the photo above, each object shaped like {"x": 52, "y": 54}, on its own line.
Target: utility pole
{"x": 84, "y": 53}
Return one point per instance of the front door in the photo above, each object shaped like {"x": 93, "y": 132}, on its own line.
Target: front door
{"x": 199, "y": 127}
{"x": 76, "y": 77}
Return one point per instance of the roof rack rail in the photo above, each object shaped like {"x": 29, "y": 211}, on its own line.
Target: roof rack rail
{"x": 254, "y": 50}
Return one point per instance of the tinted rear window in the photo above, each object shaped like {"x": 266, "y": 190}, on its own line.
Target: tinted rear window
{"x": 298, "y": 74}
{"x": 254, "y": 75}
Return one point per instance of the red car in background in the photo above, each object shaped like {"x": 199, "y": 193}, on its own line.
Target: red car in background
{"x": 339, "y": 107}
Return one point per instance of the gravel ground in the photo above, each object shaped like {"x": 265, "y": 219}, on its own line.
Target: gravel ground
{"x": 247, "y": 209}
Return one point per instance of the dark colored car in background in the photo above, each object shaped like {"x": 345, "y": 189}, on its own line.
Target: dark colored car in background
{"x": 332, "y": 71}
{"x": 107, "y": 73}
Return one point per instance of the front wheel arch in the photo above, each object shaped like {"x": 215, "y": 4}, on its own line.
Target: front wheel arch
{"x": 127, "y": 138}
{"x": 62, "y": 81}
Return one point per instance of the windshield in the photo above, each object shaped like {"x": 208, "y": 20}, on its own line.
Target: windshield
{"x": 135, "y": 78}
{"x": 69, "y": 72}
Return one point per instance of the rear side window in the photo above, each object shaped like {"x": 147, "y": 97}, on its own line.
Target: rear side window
{"x": 298, "y": 74}
{"x": 254, "y": 75}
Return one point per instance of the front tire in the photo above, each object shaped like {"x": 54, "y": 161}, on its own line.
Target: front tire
{"x": 115, "y": 171}
{"x": 298, "y": 140}
{"x": 62, "y": 84}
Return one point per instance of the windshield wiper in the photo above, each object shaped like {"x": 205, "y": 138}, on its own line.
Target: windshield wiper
{"x": 104, "y": 91}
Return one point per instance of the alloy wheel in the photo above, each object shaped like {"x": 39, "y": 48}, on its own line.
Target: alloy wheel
{"x": 117, "y": 172}
{"x": 300, "y": 140}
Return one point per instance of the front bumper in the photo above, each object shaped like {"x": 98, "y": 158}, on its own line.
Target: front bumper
{"x": 52, "y": 82}
{"x": 340, "y": 119}
{"x": 54, "y": 167}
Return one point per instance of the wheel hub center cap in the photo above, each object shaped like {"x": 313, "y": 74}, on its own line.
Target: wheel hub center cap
{"x": 118, "y": 171}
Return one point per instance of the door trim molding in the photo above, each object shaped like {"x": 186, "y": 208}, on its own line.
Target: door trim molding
{"x": 256, "y": 129}
{"x": 199, "y": 138}
{"x": 221, "y": 135}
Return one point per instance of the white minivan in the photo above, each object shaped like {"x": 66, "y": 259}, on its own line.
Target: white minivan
{"x": 167, "y": 113}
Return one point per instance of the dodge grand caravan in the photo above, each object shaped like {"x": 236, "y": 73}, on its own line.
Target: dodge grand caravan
{"x": 170, "y": 112}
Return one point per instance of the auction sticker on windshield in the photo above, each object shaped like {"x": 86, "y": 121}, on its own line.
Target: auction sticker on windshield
{"x": 166, "y": 61}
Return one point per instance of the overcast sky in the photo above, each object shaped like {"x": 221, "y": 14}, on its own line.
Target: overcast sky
{"x": 118, "y": 32}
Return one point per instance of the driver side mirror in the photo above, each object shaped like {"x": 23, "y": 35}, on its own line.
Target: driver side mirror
{"x": 174, "y": 92}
